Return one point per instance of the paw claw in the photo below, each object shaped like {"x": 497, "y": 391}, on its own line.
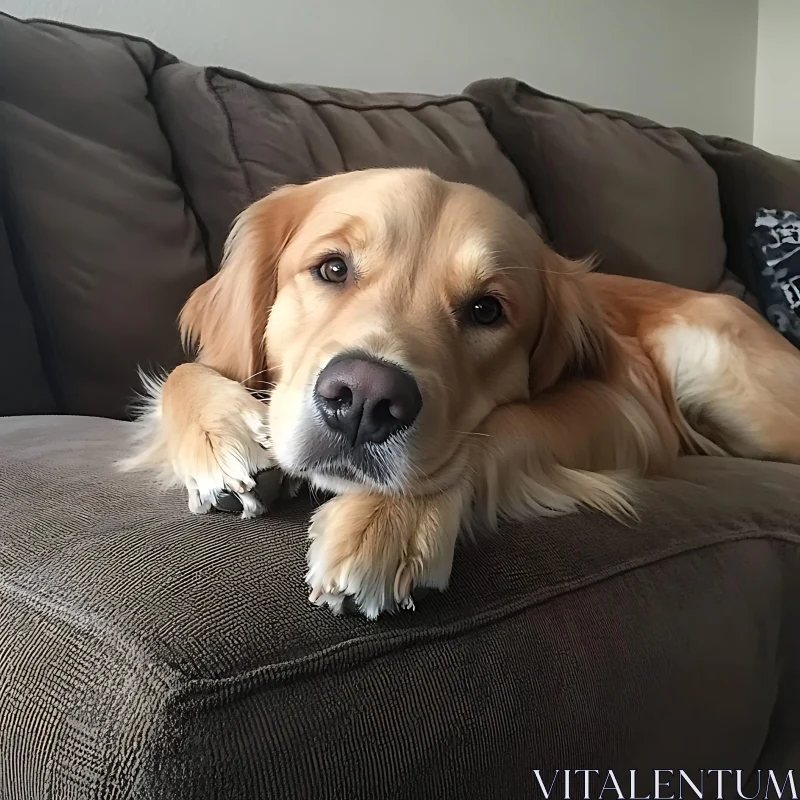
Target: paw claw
{"x": 240, "y": 486}
{"x": 197, "y": 505}
{"x": 408, "y": 604}
{"x": 251, "y": 505}
{"x": 199, "y": 508}
{"x": 333, "y": 600}
{"x": 402, "y": 586}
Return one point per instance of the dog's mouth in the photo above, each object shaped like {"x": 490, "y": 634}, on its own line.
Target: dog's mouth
{"x": 330, "y": 462}
{"x": 382, "y": 466}
{"x": 359, "y": 469}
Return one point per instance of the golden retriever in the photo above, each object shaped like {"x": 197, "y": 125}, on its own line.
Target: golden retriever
{"x": 424, "y": 356}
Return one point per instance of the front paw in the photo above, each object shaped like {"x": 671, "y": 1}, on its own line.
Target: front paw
{"x": 376, "y": 549}
{"x": 205, "y": 432}
{"x": 223, "y": 452}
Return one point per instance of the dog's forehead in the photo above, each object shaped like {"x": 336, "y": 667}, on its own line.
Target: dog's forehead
{"x": 403, "y": 221}
{"x": 393, "y": 205}
{"x": 405, "y": 205}
{"x": 481, "y": 239}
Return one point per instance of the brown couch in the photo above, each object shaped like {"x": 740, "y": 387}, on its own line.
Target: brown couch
{"x": 148, "y": 654}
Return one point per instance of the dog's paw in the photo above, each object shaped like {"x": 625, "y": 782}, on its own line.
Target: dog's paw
{"x": 220, "y": 445}
{"x": 376, "y": 549}
{"x": 356, "y": 550}
{"x": 200, "y": 430}
{"x": 225, "y": 455}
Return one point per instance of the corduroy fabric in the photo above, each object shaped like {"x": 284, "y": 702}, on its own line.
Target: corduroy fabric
{"x": 145, "y": 653}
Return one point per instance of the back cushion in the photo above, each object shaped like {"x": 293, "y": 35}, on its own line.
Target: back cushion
{"x": 24, "y": 387}
{"x": 610, "y": 184}
{"x": 749, "y": 179}
{"x": 237, "y": 139}
{"x": 111, "y": 250}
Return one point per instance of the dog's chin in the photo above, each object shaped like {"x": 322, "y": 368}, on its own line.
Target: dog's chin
{"x": 329, "y": 464}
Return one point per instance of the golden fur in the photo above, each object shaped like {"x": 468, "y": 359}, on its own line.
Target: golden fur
{"x": 589, "y": 383}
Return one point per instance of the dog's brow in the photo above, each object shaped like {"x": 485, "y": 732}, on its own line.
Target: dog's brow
{"x": 352, "y": 232}
{"x": 475, "y": 253}
{"x": 475, "y": 263}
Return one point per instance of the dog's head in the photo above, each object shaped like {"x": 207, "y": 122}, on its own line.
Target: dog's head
{"x": 390, "y": 312}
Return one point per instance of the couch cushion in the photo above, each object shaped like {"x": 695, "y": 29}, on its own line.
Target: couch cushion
{"x": 237, "y": 139}
{"x": 111, "y": 249}
{"x": 749, "y": 179}
{"x": 24, "y": 388}
{"x": 170, "y": 656}
{"x": 610, "y": 184}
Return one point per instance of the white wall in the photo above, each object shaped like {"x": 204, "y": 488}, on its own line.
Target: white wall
{"x": 777, "y": 106}
{"x": 682, "y": 62}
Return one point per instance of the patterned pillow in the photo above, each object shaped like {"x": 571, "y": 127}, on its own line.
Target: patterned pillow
{"x": 775, "y": 242}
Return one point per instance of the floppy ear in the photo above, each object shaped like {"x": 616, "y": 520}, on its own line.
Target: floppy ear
{"x": 225, "y": 319}
{"x": 575, "y": 340}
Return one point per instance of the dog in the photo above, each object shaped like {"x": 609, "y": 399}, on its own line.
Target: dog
{"x": 412, "y": 346}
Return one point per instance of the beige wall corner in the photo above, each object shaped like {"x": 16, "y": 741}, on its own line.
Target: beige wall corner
{"x": 777, "y": 98}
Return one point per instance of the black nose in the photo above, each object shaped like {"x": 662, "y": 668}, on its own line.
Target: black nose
{"x": 366, "y": 400}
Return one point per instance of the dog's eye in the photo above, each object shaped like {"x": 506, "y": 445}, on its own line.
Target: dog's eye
{"x": 333, "y": 270}
{"x": 485, "y": 310}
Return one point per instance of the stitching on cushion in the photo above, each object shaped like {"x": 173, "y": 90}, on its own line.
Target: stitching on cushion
{"x": 271, "y": 87}
{"x": 207, "y": 73}
{"x": 610, "y": 114}
{"x": 162, "y": 56}
{"x": 386, "y": 643}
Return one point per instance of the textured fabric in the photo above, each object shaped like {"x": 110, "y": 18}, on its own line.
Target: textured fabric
{"x": 25, "y": 389}
{"x": 612, "y": 185}
{"x": 148, "y": 654}
{"x": 237, "y": 139}
{"x": 749, "y": 179}
{"x": 110, "y": 250}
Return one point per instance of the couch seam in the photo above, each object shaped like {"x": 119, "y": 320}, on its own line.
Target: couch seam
{"x": 255, "y": 83}
{"x": 485, "y": 112}
{"x": 177, "y": 175}
{"x": 163, "y": 680}
{"x": 207, "y": 71}
{"x": 105, "y": 633}
{"x": 160, "y": 53}
{"x": 616, "y": 116}
{"x": 534, "y": 185}
{"x": 315, "y": 663}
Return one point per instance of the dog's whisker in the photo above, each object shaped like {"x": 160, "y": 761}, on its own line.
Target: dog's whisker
{"x": 264, "y": 384}
{"x": 255, "y": 374}
{"x": 503, "y": 270}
